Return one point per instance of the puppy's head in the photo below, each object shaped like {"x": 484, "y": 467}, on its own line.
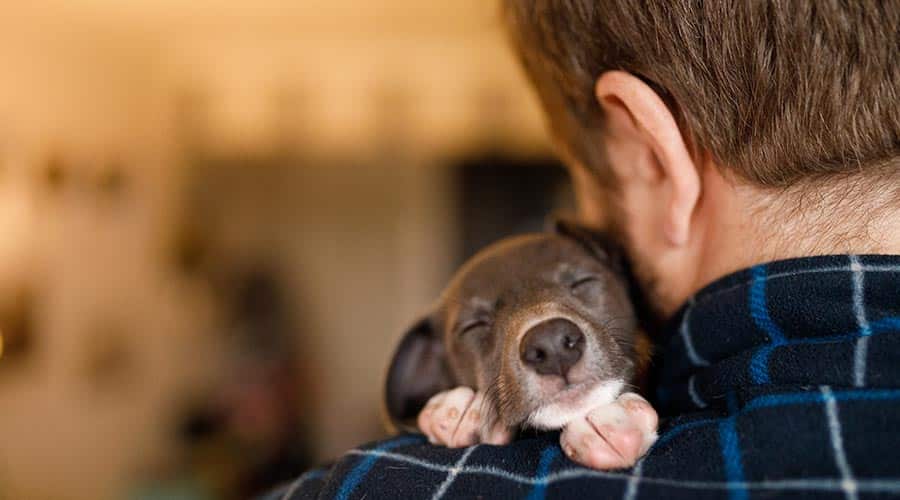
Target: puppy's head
{"x": 541, "y": 323}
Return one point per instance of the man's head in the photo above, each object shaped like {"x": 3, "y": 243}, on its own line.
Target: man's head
{"x": 541, "y": 324}
{"x": 698, "y": 130}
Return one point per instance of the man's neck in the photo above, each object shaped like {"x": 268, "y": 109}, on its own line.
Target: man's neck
{"x": 753, "y": 226}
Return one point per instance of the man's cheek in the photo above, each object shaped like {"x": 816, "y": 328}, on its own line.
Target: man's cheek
{"x": 591, "y": 198}
{"x": 643, "y": 265}
{"x": 648, "y": 280}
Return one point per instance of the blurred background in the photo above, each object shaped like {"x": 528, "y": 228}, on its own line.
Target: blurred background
{"x": 217, "y": 217}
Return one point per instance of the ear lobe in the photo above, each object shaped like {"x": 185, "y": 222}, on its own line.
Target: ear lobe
{"x": 418, "y": 371}
{"x": 597, "y": 243}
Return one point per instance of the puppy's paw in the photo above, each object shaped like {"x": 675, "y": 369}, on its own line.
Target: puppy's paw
{"x": 612, "y": 436}
{"x": 453, "y": 418}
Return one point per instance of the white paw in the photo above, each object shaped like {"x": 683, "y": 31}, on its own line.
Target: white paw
{"x": 453, "y": 418}
{"x": 612, "y": 436}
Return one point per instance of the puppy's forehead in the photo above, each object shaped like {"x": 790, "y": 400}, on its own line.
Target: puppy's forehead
{"x": 516, "y": 261}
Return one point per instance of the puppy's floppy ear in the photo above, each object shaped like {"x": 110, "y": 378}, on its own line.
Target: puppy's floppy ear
{"x": 597, "y": 243}
{"x": 418, "y": 371}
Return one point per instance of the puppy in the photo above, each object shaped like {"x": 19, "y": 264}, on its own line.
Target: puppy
{"x": 536, "y": 331}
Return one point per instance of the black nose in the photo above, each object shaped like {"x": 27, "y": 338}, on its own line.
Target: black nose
{"x": 552, "y": 347}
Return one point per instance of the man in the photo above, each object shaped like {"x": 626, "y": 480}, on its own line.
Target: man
{"x": 747, "y": 154}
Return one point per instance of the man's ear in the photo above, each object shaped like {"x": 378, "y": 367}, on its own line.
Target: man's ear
{"x": 596, "y": 242}
{"x": 418, "y": 370}
{"x": 646, "y": 146}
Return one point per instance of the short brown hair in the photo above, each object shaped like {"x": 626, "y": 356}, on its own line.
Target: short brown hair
{"x": 777, "y": 91}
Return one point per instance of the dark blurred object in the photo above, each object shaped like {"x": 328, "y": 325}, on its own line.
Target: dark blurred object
{"x": 190, "y": 250}
{"x": 17, "y": 330}
{"x": 261, "y": 400}
{"x": 55, "y": 173}
{"x": 249, "y": 433}
{"x": 501, "y": 195}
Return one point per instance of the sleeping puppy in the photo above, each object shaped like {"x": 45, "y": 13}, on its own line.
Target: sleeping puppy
{"x": 536, "y": 331}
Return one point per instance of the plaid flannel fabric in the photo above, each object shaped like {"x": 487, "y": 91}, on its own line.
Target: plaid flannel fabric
{"x": 780, "y": 380}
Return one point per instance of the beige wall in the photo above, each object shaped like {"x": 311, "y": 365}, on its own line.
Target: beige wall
{"x": 104, "y": 74}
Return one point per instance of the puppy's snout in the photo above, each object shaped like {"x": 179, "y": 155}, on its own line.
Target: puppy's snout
{"x": 552, "y": 347}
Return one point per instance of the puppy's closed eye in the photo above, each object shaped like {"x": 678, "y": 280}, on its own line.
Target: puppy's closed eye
{"x": 472, "y": 326}
{"x": 584, "y": 281}
{"x": 587, "y": 288}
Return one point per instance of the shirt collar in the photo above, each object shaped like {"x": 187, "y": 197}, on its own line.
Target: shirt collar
{"x": 810, "y": 321}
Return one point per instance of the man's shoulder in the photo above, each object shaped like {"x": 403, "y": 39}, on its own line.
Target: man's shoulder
{"x": 812, "y": 441}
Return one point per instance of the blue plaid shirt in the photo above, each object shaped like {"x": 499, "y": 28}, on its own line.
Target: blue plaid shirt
{"x": 779, "y": 380}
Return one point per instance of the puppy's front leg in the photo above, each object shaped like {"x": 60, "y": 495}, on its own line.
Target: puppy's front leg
{"x": 453, "y": 418}
{"x": 612, "y": 436}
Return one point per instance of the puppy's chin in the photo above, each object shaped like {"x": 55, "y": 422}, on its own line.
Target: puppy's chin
{"x": 573, "y": 403}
